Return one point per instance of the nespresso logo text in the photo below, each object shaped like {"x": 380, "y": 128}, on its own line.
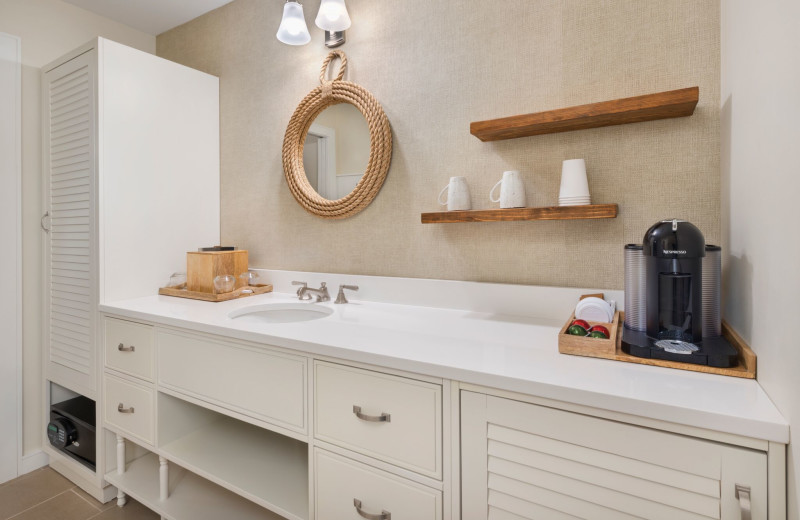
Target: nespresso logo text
{"x": 674, "y": 252}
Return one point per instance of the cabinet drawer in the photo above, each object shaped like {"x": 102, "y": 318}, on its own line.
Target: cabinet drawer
{"x": 256, "y": 382}
{"x": 129, "y": 407}
{"x": 340, "y": 482}
{"x": 129, "y": 347}
{"x": 409, "y": 435}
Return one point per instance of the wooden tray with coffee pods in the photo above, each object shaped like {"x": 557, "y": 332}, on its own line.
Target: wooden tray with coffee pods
{"x": 612, "y": 349}
{"x": 181, "y": 292}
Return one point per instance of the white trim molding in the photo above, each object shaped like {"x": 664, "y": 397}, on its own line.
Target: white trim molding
{"x": 33, "y": 461}
{"x": 11, "y": 215}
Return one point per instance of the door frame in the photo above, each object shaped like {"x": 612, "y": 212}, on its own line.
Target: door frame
{"x": 326, "y": 157}
{"x": 12, "y": 263}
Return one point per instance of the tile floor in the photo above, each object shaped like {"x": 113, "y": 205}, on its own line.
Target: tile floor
{"x": 45, "y": 495}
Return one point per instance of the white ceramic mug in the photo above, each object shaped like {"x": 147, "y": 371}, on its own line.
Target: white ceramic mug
{"x": 457, "y": 194}
{"x": 512, "y": 190}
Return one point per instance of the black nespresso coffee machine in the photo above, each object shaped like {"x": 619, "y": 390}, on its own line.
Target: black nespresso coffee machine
{"x": 668, "y": 300}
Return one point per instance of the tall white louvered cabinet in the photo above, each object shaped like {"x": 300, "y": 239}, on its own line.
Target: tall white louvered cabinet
{"x": 131, "y": 183}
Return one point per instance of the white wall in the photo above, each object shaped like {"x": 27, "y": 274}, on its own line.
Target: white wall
{"x": 760, "y": 189}
{"x": 48, "y": 29}
{"x": 437, "y": 66}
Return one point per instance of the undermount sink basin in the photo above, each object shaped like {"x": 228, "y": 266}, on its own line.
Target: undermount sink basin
{"x": 281, "y": 312}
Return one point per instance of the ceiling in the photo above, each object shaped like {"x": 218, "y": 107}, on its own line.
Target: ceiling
{"x": 150, "y": 16}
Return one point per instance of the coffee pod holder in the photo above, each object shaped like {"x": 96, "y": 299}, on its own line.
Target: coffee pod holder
{"x": 588, "y": 346}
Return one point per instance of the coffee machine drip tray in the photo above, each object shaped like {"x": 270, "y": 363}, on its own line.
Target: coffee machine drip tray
{"x": 714, "y": 352}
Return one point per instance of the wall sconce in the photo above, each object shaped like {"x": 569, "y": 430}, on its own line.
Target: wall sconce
{"x": 333, "y": 18}
{"x": 293, "y": 30}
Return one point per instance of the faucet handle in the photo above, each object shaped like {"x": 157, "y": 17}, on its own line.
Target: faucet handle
{"x": 340, "y": 298}
{"x": 301, "y": 292}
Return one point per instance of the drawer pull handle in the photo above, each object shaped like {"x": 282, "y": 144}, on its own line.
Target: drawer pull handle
{"x": 384, "y": 417}
{"x": 123, "y": 348}
{"x": 385, "y": 515}
{"x": 743, "y": 495}
{"x": 122, "y": 409}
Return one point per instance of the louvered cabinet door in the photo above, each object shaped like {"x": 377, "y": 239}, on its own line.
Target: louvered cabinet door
{"x": 523, "y": 461}
{"x": 70, "y": 256}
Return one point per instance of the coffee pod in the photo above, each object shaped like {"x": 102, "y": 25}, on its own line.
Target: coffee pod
{"x": 601, "y": 329}
{"x": 582, "y": 323}
{"x": 576, "y": 330}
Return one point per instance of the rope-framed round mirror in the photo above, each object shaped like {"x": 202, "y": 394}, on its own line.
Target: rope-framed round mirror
{"x": 321, "y": 197}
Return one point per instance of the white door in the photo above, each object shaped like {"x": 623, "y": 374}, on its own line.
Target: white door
{"x": 10, "y": 260}
{"x": 70, "y": 257}
{"x": 325, "y": 139}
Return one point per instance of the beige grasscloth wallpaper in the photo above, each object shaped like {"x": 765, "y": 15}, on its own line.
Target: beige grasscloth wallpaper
{"x": 437, "y": 65}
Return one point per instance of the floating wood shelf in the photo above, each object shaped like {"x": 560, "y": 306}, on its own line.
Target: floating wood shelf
{"x": 664, "y": 105}
{"x": 499, "y": 215}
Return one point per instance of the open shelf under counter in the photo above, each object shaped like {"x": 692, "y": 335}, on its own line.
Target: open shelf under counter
{"x": 190, "y": 496}
{"x": 592, "y": 211}
{"x": 265, "y": 467}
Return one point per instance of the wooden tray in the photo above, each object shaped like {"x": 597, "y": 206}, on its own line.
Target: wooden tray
{"x": 612, "y": 349}
{"x": 181, "y": 292}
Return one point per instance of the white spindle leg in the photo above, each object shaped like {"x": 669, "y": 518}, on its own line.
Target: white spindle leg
{"x": 163, "y": 475}
{"x": 120, "y": 468}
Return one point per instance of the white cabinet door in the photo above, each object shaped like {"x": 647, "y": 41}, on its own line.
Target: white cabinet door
{"x": 526, "y": 461}
{"x": 70, "y": 248}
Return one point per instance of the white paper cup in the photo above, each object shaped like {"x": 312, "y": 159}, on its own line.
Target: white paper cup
{"x": 574, "y": 182}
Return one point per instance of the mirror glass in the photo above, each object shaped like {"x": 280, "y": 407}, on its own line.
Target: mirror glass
{"x": 336, "y": 151}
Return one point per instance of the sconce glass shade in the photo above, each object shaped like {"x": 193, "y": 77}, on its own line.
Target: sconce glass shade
{"x": 332, "y": 16}
{"x": 293, "y": 30}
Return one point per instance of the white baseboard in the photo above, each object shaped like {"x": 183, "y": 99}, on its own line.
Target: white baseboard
{"x": 33, "y": 461}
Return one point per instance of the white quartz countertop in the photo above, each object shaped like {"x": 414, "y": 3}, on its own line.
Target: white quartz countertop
{"x": 514, "y": 353}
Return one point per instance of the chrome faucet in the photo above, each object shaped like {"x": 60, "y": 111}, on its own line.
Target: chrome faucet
{"x": 321, "y": 293}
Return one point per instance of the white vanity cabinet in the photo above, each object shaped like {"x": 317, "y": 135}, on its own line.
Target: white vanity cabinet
{"x": 255, "y": 431}
{"x": 521, "y": 460}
